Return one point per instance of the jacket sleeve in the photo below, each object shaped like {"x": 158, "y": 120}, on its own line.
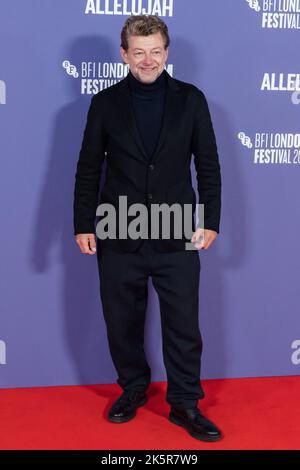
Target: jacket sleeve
{"x": 206, "y": 160}
{"x": 88, "y": 171}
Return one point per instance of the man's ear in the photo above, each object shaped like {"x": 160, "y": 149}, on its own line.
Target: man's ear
{"x": 123, "y": 54}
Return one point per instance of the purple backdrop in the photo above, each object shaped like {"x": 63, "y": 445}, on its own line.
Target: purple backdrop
{"x": 244, "y": 56}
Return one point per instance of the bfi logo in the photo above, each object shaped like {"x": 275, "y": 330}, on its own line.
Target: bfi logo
{"x": 2, "y": 92}
{"x": 2, "y": 352}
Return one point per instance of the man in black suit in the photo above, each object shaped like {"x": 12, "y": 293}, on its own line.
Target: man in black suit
{"x": 147, "y": 126}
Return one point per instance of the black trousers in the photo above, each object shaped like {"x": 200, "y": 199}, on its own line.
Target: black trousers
{"x": 124, "y": 293}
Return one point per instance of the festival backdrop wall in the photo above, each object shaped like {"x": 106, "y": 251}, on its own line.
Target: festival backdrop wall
{"x": 55, "y": 55}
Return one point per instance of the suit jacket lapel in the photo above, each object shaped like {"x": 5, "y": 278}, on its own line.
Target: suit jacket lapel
{"x": 126, "y": 108}
{"x": 170, "y": 113}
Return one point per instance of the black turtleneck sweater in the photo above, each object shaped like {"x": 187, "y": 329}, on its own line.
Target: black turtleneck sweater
{"x": 148, "y": 101}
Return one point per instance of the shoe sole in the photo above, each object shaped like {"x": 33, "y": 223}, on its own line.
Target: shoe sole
{"x": 177, "y": 421}
{"x": 128, "y": 418}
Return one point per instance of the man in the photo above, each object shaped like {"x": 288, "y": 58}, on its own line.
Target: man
{"x": 147, "y": 126}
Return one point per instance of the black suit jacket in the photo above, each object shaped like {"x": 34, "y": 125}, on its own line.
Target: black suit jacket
{"x": 111, "y": 133}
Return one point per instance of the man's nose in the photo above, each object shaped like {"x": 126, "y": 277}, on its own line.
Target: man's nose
{"x": 148, "y": 60}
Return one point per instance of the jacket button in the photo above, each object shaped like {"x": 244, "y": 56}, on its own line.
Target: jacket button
{"x": 149, "y": 196}
{"x": 151, "y": 167}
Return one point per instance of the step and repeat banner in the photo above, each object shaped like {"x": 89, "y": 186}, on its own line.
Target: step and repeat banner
{"x": 244, "y": 56}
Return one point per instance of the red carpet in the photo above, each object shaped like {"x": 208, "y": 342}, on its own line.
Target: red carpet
{"x": 254, "y": 413}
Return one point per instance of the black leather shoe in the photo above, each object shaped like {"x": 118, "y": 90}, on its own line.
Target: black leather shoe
{"x": 195, "y": 423}
{"x": 124, "y": 408}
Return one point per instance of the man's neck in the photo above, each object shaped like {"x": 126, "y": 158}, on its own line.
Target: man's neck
{"x": 153, "y": 87}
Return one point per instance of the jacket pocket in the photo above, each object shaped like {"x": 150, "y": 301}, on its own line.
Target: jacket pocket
{"x": 182, "y": 193}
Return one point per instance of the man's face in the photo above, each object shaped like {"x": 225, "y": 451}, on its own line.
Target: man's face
{"x": 146, "y": 56}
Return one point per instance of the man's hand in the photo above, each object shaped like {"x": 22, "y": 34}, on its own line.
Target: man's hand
{"x": 86, "y": 243}
{"x": 203, "y": 238}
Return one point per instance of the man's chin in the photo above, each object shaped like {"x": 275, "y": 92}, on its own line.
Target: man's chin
{"x": 148, "y": 77}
